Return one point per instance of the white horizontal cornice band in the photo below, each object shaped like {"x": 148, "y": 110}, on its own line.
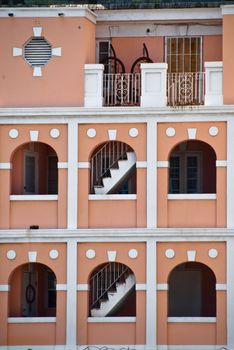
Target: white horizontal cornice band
{"x": 5, "y": 166}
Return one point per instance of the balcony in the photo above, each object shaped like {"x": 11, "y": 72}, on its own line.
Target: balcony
{"x": 153, "y": 87}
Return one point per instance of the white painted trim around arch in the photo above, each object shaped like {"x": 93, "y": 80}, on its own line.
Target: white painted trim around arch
{"x": 111, "y": 319}
{"x": 6, "y": 166}
{"x": 34, "y": 197}
{"x": 5, "y": 287}
{"x": 112, "y": 197}
{"x": 191, "y": 319}
{"x": 31, "y": 319}
{"x": 192, "y": 196}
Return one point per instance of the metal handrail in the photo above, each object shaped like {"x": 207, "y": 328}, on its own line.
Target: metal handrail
{"x": 185, "y": 89}
{"x": 105, "y": 279}
{"x": 106, "y": 158}
{"x": 122, "y": 89}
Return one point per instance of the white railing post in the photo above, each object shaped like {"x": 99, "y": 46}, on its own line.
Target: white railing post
{"x": 93, "y": 85}
{"x": 153, "y": 84}
{"x": 214, "y": 83}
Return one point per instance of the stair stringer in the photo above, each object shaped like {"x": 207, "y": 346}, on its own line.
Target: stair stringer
{"x": 117, "y": 174}
{"x": 114, "y": 298}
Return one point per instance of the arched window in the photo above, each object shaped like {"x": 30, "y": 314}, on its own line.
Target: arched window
{"x": 113, "y": 169}
{"x": 34, "y": 169}
{"x": 32, "y": 291}
{"x": 192, "y": 168}
{"x": 112, "y": 291}
{"x": 192, "y": 291}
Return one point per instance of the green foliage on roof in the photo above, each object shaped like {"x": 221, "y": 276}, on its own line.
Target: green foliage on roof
{"x": 118, "y": 4}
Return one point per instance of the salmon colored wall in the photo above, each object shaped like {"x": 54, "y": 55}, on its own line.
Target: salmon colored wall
{"x": 191, "y": 213}
{"x": 111, "y": 333}
{"x": 27, "y": 213}
{"x": 7, "y": 148}
{"x": 228, "y": 51}
{"x": 33, "y": 334}
{"x": 190, "y": 333}
{"x": 112, "y": 213}
{"x": 62, "y": 78}
{"x": 155, "y": 46}
{"x": 171, "y": 213}
{"x": 93, "y": 213}
{"x": 87, "y": 145}
{"x": 165, "y": 266}
{"x": 184, "y": 333}
{"x": 58, "y": 266}
{"x": 136, "y": 265}
{"x": 212, "y": 48}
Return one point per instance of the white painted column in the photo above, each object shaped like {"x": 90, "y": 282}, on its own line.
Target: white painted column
{"x": 72, "y": 200}
{"x": 230, "y": 293}
{"x": 151, "y": 312}
{"x": 151, "y": 174}
{"x": 230, "y": 173}
{"x": 71, "y": 295}
{"x": 153, "y": 84}
{"x": 214, "y": 83}
{"x": 93, "y": 91}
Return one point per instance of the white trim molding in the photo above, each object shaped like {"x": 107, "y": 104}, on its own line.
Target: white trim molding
{"x": 4, "y": 287}
{"x": 34, "y": 197}
{"x": 221, "y": 286}
{"x": 191, "y": 319}
{"x": 151, "y": 174}
{"x": 61, "y": 287}
{"x": 162, "y": 286}
{"x": 112, "y": 197}
{"x": 230, "y": 174}
{"x": 72, "y": 187}
{"x": 141, "y": 286}
{"x": 62, "y": 165}
{"x": 192, "y": 196}
{"x": 5, "y": 166}
{"x": 230, "y": 291}
{"x": 83, "y": 165}
{"x": 82, "y": 287}
{"x": 31, "y": 319}
{"x": 141, "y": 164}
{"x": 163, "y": 164}
{"x": 221, "y": 163}
{"x": 111, "y": 319}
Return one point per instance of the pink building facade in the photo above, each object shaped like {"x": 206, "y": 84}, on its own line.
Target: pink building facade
{"x": 116, "y": 179}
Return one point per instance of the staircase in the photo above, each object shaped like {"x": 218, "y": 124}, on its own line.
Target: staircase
{"x": 110, "y": 165}
{"x": 109, "y": 288}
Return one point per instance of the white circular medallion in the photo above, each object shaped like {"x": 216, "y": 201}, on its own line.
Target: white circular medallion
{"x": 170, "y": 253}
{"x": 213, "y": 131}
{"x": 133, "y": 253}
{"x": 133, "y": 132}
{"x": 54, "y": 133}
{"x": 11, "y": 254}
{"x": 13, "y": 133}
{"x": 91, "y": 132}
{"x": 90, "y": 254}
{"x": 213, "y": 253}
{"x": 170, "y": 132}
{"x": 53, "y": 254}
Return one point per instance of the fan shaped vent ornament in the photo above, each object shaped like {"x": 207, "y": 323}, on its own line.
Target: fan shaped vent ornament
{"x": 37, "y": 51}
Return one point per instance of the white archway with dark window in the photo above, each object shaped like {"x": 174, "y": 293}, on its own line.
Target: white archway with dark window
{"x": 32, "y": 291}
{"x": 192, "y": 168}
{"x": 192, "y": 291}
{"x": 34, "y": 169}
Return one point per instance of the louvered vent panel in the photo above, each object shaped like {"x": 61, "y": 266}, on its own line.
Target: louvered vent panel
{"x": 37, "y": 52}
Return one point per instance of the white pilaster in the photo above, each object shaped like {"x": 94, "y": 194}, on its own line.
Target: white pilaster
{"x": 71, "y": 295}
{"x": 153, "y": 84}
{"x": 230, "y": 173}
{"x": 151, "y": 174}
{"x": 93, "y": 96}
{"x": 151, "y": 336}
{"x": 230, "y": 293}
{"x": 72, "y": 199}
{"x": 214, "y": 83}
